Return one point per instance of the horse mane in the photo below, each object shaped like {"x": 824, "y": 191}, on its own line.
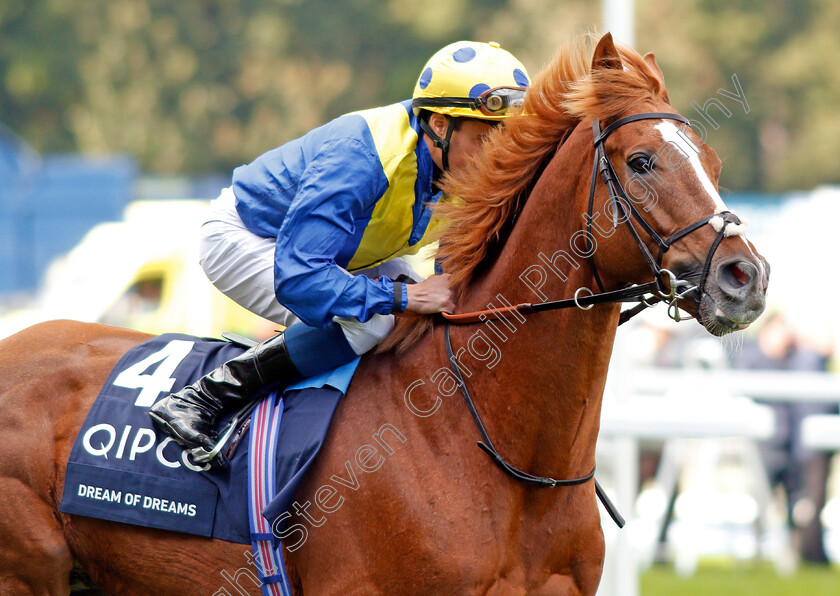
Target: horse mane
{"x": 493, "y": 187}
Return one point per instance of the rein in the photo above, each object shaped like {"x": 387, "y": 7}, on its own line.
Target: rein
{"x": 646, "y": 294}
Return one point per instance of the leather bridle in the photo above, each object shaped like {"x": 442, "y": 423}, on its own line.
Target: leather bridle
{"x": 645, "y": 294}
{"x": 677, "y": 289}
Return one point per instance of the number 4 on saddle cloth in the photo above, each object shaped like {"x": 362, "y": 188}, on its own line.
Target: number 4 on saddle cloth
{"x": 122, "y": 470}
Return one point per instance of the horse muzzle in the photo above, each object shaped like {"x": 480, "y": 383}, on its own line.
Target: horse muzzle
{"x": 734, "y": 296}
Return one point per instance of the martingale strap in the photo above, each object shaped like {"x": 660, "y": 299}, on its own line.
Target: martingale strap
{"x": 265, "y": 425}
{"x": 487, "y": 446}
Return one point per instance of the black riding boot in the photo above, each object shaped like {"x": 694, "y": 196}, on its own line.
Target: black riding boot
{"x": 189, "y": 415}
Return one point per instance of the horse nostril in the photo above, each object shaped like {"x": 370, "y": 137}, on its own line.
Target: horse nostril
{"x": 741, "y": 276}
{"x": 737, "y": 277}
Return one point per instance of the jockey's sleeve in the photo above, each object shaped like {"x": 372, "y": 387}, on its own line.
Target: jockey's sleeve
{"x": 339, "y": 188}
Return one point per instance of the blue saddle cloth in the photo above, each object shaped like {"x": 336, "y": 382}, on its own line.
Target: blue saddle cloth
{"x": 121, "y": 469}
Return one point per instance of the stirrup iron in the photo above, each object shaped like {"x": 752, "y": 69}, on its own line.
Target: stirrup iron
{"x": 215, "y": 457}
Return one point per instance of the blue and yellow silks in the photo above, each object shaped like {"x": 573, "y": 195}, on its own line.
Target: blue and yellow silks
{"x": 346, "y": 196}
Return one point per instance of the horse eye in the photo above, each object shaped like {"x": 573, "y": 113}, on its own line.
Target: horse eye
{"x": 640, "y": 163}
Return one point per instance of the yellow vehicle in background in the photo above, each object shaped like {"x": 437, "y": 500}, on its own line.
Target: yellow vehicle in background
{"x": 141, "y": 273}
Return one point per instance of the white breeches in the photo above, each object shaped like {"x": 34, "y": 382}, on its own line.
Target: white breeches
{"x": 241, "y": 265}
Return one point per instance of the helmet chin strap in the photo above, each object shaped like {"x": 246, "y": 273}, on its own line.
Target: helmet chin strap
{"x": 441, "y": 143}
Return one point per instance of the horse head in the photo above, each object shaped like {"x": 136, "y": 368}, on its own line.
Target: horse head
{"x": 655, "y": 211}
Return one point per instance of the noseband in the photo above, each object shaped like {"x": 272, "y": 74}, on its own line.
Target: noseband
{"x": 645, "y": 294}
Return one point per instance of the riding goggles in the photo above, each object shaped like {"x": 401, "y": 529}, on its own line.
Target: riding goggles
{"x": 499, "y": 101}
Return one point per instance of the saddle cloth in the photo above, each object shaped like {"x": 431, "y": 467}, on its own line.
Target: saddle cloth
{"x": 121, "y": 469}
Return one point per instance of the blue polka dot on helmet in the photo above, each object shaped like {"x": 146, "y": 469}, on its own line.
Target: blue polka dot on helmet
{"x": 425, "y": 78}
{"x": 477, "y": 90}
{"x": 454, "y": 79}
{"x": 464, "y": 54}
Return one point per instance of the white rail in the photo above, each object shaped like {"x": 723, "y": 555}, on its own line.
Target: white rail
{"x": 676, "y": 404}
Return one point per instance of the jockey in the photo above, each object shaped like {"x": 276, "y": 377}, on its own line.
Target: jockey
{"x": 309, "y": 235}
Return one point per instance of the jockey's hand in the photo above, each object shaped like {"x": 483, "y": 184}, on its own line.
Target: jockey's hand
{"x": 430, "y": 296}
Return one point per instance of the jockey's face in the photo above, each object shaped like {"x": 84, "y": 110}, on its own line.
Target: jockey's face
{"x": 466, "y": 140}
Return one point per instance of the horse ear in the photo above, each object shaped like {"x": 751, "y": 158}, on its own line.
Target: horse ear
{"x": 606, "y": 55}
{"x": 650, "y": 60}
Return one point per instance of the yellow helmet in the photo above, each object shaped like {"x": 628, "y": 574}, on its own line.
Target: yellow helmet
{"x": 472, "y": 79}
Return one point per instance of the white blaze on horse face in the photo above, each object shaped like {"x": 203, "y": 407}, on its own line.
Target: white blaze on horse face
{"x": 671, "y": 134}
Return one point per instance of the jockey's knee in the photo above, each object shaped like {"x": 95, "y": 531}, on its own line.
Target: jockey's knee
{"x": 209, "y": 248}
{"x": 363, "y": 337}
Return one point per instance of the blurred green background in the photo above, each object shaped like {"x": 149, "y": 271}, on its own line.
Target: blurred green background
{"x": 741, "y": 580}
{"x": 200, "y": 86}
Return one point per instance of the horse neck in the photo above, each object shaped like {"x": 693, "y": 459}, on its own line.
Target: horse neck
{"x": 541, "y": 396}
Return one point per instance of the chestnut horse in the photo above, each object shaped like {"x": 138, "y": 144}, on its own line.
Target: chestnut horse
{"x": 400, "y": 500}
